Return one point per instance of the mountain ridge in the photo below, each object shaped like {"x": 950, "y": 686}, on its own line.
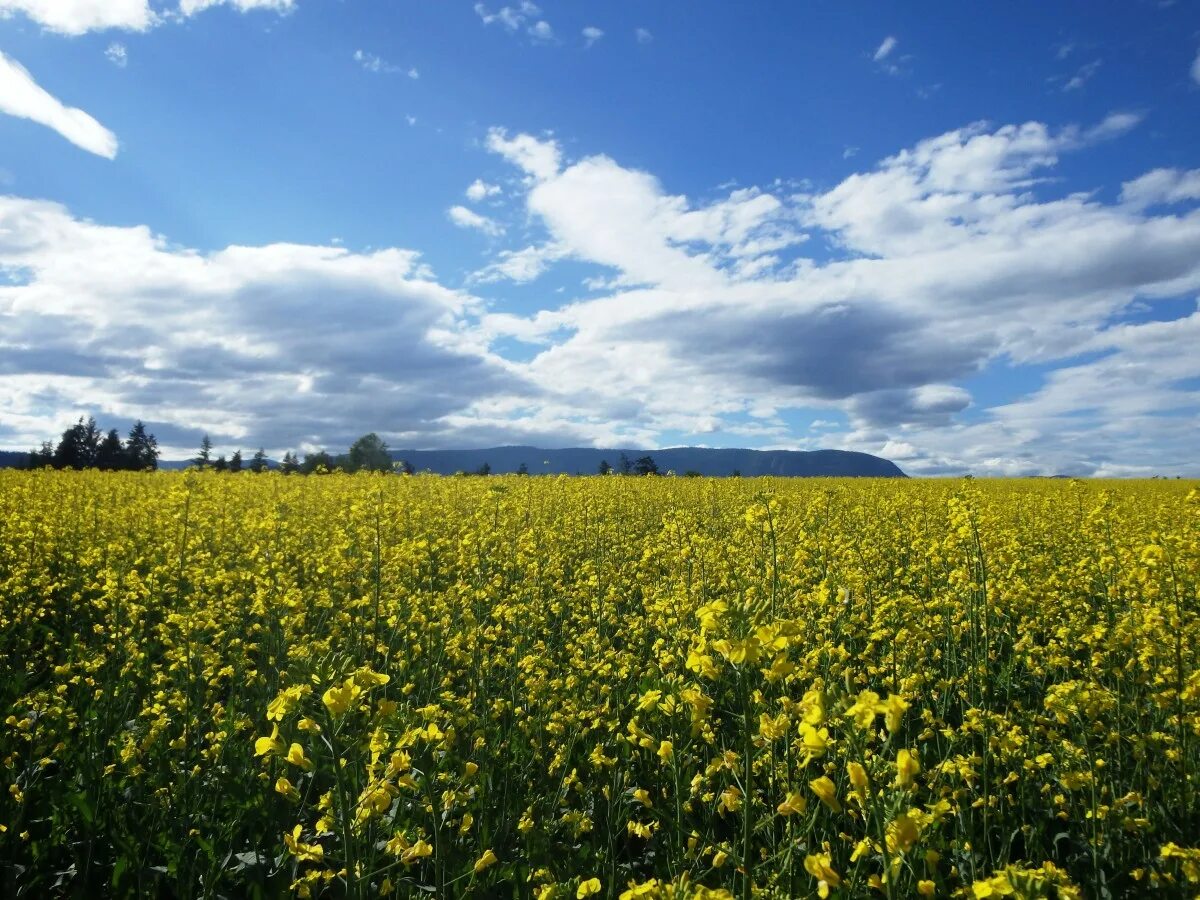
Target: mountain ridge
{"x": 713, "y": 461}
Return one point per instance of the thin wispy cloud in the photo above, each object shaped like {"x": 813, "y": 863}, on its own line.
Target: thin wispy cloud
{"x": 525, "y": 16}
{"x": 379, "y": 65}
{"x": 885, "y": 49}
{"x": 117, "y": 55}
{"x": 467, "y": 218}
{"x": 191, "y": 7}
{"x": 24, "y": 98}
{"x": 643, "y": 35}
{"x": 1084, "y": 74}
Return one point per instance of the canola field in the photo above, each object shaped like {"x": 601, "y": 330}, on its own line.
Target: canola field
{"x": 359, "y": 686}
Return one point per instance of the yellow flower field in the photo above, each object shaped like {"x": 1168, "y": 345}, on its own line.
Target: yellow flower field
{"x": 354, "y": 686}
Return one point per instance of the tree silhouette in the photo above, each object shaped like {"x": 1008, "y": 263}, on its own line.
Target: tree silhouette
{"x": 203, "y": 459}
{"x": 604, "y": 468}
{"x": 235, "y": 461}
{"x": 141, "y": 449}
{"x": 258, "y": 462}
{"x": 79, "y": 445}
{"x": 110, "y": 455}
{"x": 42, "y": 457}
{"x": 645, "y": 465}
{"x": 369, "y": 453}
{"x": 317, "y": 461}
{"x": 221, "y": 465}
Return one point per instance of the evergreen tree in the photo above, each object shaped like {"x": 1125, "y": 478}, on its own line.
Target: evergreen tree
{"x": 141, "y": 449}
{"x": 221, "y": 465}
{"x": 42, "y": 457}
{"x": 522, "y": 469}
{"x": 626, "y": 465}
{"x": 289, "y": 465}
{"x": 203, "y": 459}
{"x": 258, "y": 462}
{"x": 110, "y": 455}
{"x": 235, "y": 461}
{"x": 604, "y": 468}
{"x": 645, "y": 465}
{"x": 79, "y": 445}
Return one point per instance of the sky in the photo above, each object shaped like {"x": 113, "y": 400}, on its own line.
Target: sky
{"x": 965, "y": 237}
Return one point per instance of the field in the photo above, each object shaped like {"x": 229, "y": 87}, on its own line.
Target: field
{"x": 353, "y": 686}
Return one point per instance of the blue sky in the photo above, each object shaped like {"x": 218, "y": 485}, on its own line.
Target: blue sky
{"x": 967, "y": 239}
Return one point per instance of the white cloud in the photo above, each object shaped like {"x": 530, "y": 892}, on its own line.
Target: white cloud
{"x": 643, "y": 35}
{"x": 76, "y": 17}
{"x": 22, "y": 97}
{"x": 80, "y": 16}
{"x": 1196, "y": 68}
{"x": 248, "y": 343}
{"x": 466, "y": 218}
{"x": 591, "y": 34}
{"x": 1083, "y": 75}
{"x": 539, "y": 159}
{"x": 520, "y": 266}
{"x": 481, "y": 190}
{"x": 376, "y": 64}
{"x": 117, "y": 55}
{"x": 513, "y": 18}
{"x": 191, "y": 7}
{"x": 413, "y": 73}
{"x": 885, "y": 48}
{"x": 1162, "y": 186}
{"x": 949, "y": 266}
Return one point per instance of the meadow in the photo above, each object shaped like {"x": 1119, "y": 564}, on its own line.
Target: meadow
{"x": 255, "y": 685}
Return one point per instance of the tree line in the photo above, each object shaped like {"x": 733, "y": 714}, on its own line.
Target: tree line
{"x": 85, "y": 446}
{"x": 367, "y": 454}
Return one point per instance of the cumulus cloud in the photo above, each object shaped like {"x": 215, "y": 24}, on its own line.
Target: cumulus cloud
{"x": 524, "y": 15}
{"x": 253, "y": 344}
{"x": 481, "y": 190}
{"x": 643, "y": 35}
{"x": 466, "y": 218}
{"x": 81, "y": 16}
{"x": 75, "y": 17}
{"x": 591, "y": 34}
{"x": 946, "y": 266}
{"x": 24, "y": 98}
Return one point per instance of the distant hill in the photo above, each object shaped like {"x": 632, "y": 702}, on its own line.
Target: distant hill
{"x": 706, "y": 461}
{"x": 585, "y": 460}
{"x": 13, "y": 459}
